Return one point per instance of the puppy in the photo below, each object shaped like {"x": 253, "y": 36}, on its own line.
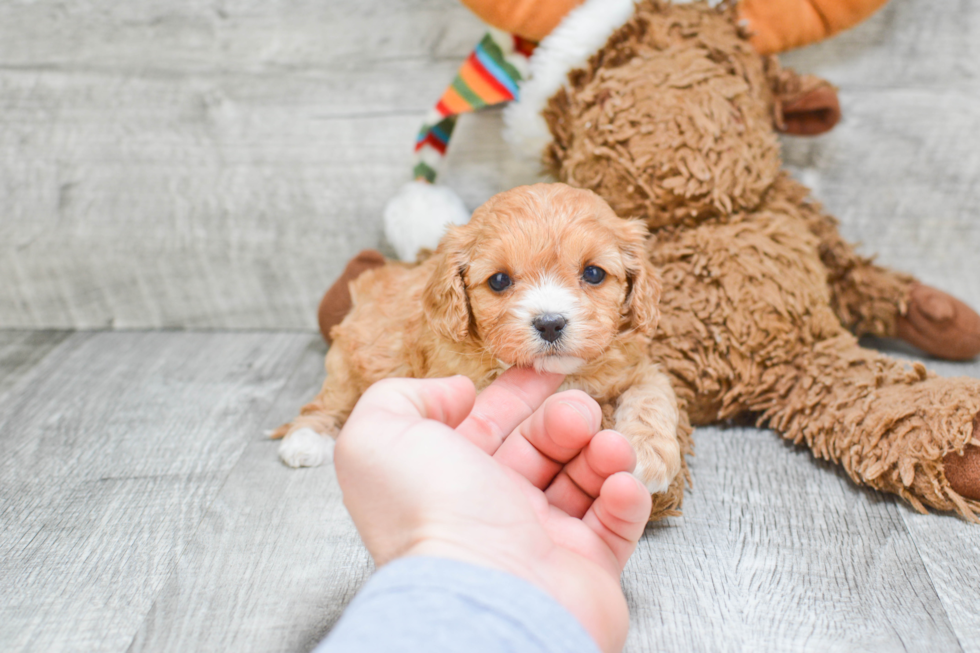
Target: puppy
{"x": 544, "y": 276}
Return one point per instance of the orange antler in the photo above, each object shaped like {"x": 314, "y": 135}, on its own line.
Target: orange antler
{"x": 778, "y": 25}
{"x": 531, "y": 19}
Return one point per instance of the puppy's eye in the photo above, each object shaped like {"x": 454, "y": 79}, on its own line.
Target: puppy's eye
{"x": 593, "y": 275}
{"x": 498, "y": 282}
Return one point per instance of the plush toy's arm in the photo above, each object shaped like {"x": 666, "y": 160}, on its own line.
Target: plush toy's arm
{"x": 531, "y": 19}
{"x": 779, "y": 25}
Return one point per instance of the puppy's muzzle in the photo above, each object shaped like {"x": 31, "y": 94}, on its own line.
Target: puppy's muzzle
{"x": 549, "y": 326}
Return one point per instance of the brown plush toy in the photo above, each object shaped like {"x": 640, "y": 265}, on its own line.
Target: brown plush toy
{"x": 673, "y": 118}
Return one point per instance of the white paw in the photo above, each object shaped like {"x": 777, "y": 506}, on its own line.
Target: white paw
{"x": 654, "y": 477}
{"x": 306, "y": 448}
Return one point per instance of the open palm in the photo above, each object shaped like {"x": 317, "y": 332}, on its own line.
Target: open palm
{"x": 515, "y": 479}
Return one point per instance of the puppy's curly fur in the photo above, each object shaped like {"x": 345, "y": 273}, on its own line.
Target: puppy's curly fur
{"x": 544, "y": 276}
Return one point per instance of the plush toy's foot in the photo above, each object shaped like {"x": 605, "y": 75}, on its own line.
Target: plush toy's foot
{"x": 336, "y": 301}
{"x": 963, "y": 472}
{"x": 939, "y": 324}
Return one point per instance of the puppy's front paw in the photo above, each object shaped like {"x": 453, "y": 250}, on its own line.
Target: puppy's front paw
{"x": 653, "y": 473}
{"x": 306, "y": 448}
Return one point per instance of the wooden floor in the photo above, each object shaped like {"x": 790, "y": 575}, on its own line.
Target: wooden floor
{"x": 142, "y": 509}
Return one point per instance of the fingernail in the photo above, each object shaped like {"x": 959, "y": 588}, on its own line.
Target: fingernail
{"x": 586, "y": 414}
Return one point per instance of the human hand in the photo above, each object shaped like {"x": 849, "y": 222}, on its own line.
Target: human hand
{"x": 514, "y": 479}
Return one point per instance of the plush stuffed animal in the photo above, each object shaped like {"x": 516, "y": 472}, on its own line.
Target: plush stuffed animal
{"x": 669, "y": 112}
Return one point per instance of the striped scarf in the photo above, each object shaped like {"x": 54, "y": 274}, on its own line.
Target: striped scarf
{"x": 489, "y": 77}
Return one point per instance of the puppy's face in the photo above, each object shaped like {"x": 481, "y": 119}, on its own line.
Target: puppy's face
{"x": 544, "y": 276}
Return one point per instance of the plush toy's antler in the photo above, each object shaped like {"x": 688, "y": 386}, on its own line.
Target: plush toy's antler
{"x": 776, "y": 25}
{"x": 530, "y": 19}
{"x": 779, "y": 25}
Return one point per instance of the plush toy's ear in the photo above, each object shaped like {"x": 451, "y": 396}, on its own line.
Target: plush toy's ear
{"x": 804, "y": 105}
{"x": 641, "y": 306}
{"x": 444, "y": 299}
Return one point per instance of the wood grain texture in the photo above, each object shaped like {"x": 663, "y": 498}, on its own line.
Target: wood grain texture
{"x": 143, "y": 510}
{"x": 214, "y": 165}
{"x": 20, "y": 351}
{"x": 776, "y": 552}
{"x": 275, "y": 559}
{"x": 110, "y": 454}
{"x": 205, "y": 165}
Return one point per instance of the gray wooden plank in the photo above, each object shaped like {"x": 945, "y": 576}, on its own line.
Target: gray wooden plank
{"x": 168, "y": 164}
{"x": 950, "y": 549}
{"x": 775, "y": 551}
{"x": 109, "y": 455}
{"x": 276, "y": 558}
{"x": 164, "y": 36}
{"x": 930, "y": 48}
{"x": 778, "y": 552}
{"x": 106, "y": 547}
{"x": 20, "y": 351}
{"x": 196, "y": 166}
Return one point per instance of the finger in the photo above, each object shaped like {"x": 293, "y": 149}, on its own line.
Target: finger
{"x": 580, "y": 481}
{"x": 620, "y": 514}
{"x": 448, "y": 400}
{"x": 390, "y": 406}
{"x": 551, "y": 436}
{"x": 505, "y": 403}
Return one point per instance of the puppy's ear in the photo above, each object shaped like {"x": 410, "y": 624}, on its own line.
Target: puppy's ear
{"x": 641, "y": 307}
{"x": 444, "y": 299}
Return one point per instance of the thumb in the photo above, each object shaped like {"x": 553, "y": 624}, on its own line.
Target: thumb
{"x": 391, "y": 405}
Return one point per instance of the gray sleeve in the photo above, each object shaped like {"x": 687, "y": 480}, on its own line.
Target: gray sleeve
{"x": 431, "y": 605}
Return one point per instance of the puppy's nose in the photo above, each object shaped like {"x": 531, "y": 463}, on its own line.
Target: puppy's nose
{"x": 549, "y": 326}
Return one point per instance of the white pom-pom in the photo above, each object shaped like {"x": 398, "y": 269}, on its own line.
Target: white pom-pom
{"x": 418, "y": 215}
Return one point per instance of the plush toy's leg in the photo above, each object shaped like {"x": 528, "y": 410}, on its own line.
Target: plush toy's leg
{"x": 873, "y": 300}
{"x": 867, "y": 298}
{"x": 336, "y": 301}
{"x": 891, "y": 425}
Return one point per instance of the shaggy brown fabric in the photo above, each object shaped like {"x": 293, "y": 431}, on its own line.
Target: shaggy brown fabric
{"x": 673, "y": 121}
{"x": 868, "y": 299}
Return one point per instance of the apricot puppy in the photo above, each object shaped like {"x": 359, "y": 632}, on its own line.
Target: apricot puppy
{"x": 544, "y": 276}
